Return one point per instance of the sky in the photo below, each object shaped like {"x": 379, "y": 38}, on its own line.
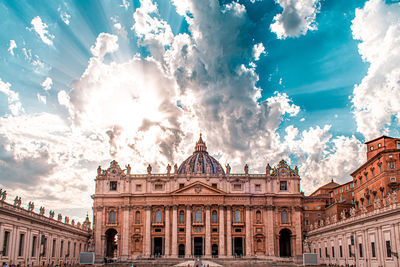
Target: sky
{"x": 86, "y": 82}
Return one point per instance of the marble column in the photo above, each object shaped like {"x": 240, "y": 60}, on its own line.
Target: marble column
{"x": 174, "y": 243}
{"x": 99, "y": 250}
{"x": 208, "y": 233}
{"x": 248, "y": 232}
{"x": 147, "y": 240}
{"x": 167, "y": 232}
{"x": 188, "y": 245}
{"x": 229, "y": 231}
{"x": 125, "y": 233}
{"x": 270, "y": 230}
{"x": 221, "y": 250}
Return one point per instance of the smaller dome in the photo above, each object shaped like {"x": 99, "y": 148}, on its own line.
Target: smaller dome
{"x": 200, "y": 162}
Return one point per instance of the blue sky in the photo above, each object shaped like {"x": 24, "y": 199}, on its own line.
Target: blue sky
{"x": 85, "y": 82}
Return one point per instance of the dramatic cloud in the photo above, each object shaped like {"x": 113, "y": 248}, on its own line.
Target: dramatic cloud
{"x": 297, "y": 17}
{"x": 105, "y": 43}
{"x": 14, "y": 105}
{"x": 258, "y": 49}
{"x": 41, "y": 29}
{"x": 12, "y": 46}
{"x": 377, "y": 98}
{"x": 47, "y": 83}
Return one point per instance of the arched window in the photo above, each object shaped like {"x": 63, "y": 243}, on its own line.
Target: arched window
{"x": 181, "y": 216}
{"x": 284, "y": 217}
{"x": 237, "y": 216}
{"x": 137, "y": 217}
{"x": 258, "y": 216}
{"x": 158, "y": 216}
{"x": 111, "y": 217}
{"x": 214, "y": 217}
{"x": 197, "y": 216}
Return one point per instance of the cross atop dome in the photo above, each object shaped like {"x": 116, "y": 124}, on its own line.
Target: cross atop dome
{"x": 200, "y": 146}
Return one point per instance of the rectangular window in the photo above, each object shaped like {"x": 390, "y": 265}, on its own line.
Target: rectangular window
{"x": 34, "y": 241}
{"x": 373, "y": 249}
{"x": 69, "y": 243}
{"x": 158, "y": 187}
{"x": 215, "y": 230}
{"x": 360, "y": 249}
{"x": 181, "y": 230}
{"x": 53, "y": 251}
{"x": 113, "y": 186}
{"x": 350, "y": 254}
{"x": 258, "y": 187}
{"x": 61, "y": 249}
{"x": 379, "y": 145}
{"x": 341, "y": 251}
{"x": 283, "y": 185}
{"x": 138, "y": 187}
{"x": 320, "y": 253}
{"x": 214, "y": 186}
{"x": 306, "y": 222}
{"x": 371, "y": 148}
{"x": 326, "y": 252}
{"x": 398, "y": 145}
{"x": 237, "y": 186}
{"x": 5, "y": 243}
{"x": 21, "y": 245}
{"x": 43, "y": 244}
{"x": 181, "y": 186}
{"x": 388, "y": 249}
{"x": 333, "y": 252}
{"x": 392, "y": 165}
{"x": 74, "y": 249}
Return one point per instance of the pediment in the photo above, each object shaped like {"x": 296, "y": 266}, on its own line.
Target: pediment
{"x": 198, "y": 188}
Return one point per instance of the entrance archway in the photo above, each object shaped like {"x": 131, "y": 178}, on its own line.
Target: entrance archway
{"x": 181, "y": 251}
{"x": 214, "y": 250}
{"x": 157, "y": 246}
{"x": 238, "y": 246}
{"x": 284, "y": 243}
{"x": 198, "y": 246}
{"x": 111, "y": 243}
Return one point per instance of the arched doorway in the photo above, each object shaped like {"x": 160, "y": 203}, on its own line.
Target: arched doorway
{"x": 284, "y": 243}
{"x": 111, "y": 243}
{"x": 181, "y": 251}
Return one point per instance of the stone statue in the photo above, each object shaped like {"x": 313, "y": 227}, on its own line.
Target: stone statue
{"x": 73, "y": 222}
{"x": 228, "y": 168}
{"x": 41, "y": 211}
{"x": 17, "y": 201}
{"x": 352, "y": 212}
{"x": 31, "y": 206}
{"x": 311, "y": 226}
{"x": 392, "y": 197}
{"x": 198, "y": 167}
{"x": 99, "y": 171}
{"x": 268, "y": 169}
{"x": 4, "y": 195}
{"x": 219, "y": 169}
{"x": 149, "y": 169}
{"x": 327, "y": 221}
{"x": 66, "y": 219}
{"x": 334, "y": 219}
{"x": 363, "y": 209}
{"x": 168, "y": 169}
{"x": 296, "y": 171}
{"x": 377, "y": 203}
{"x": 59, "y": 217}
{"x": 128, "y": 169}
{"x": 322, "y": 223}
{"x": 90, "y": 244}
{"x": 51, "y": 214}
{"x": 246, "y": 169}
{"x": 343, "y": 215}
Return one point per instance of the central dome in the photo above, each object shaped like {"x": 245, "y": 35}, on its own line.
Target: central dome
{"x": 200, "y": 162}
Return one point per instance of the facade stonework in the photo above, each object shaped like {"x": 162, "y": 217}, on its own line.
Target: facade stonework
{"x": 197, "y": 209}
{"x": 30, "y": 238}
{"x": 359, "y": 225}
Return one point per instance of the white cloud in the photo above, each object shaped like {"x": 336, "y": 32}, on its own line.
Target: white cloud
{"x": 125, "y": 4}
{"x": 12, "y": 46}
{"x": 105, "y": 43}
{"x": 376, "y": 99}
{"x": 41, "y": 29}
{"x": 41, "y": 98}
{"x": 258, "y": 49}
{"x": 47, "y": 83}
{"x": 14, "y": 104}
{"x": 65, "y": 17}
{"x": 297, "y": 17}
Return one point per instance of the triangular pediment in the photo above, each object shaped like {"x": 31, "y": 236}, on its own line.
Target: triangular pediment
{"x": 198, "y": 188}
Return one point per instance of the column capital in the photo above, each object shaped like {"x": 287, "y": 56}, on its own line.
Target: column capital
{"x": 147, "y": 207}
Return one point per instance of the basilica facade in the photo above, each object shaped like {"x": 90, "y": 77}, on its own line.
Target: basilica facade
{"x": 197, "y": 209}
